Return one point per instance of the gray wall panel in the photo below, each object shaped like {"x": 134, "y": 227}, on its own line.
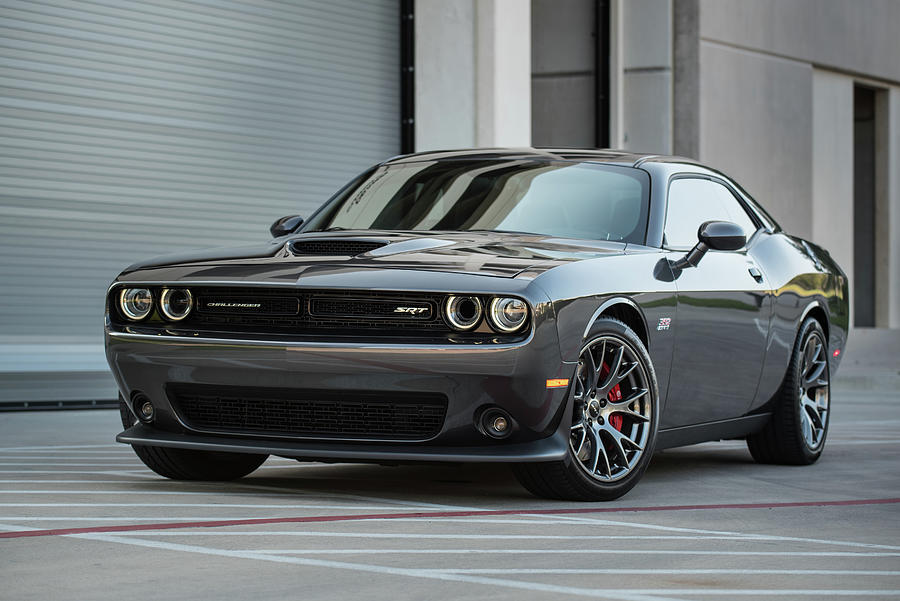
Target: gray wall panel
{"x": 129, "y": 129}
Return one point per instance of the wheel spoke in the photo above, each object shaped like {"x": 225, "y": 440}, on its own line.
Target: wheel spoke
{"x": 812, "y": 413}
{"x": 618, "y": 438}
{"x": 814, "y": 372}
{"x": 590, "y": 372}
{"x": 610, "y": 381}
{"x": 630, "y": 399}
{"x": 595, "y": 441}
{"x": 583, "y": 438}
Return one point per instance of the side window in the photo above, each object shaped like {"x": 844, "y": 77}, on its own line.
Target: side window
{"x": 693, "y": 201}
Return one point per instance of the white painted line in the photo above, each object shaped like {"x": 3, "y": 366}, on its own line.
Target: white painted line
{"x": 137, "y": 492}
{"x": 666, "y": 572}
{"x": 55, "y": 481}
{"x": 38, "y": 453}
{"x": 771, "y": 537}
{"x": 64, "y": 459}
{"x": 387, "y": 570}
{"x": 569, "y": 552}
{"x": 129, "y": 519}
{"x": 102, "y": 472}
{"x": 384, "y": 535}
{"x": 222, "y": 505}
{"x": 68, "y": 446}
{"x": 64, "y": 464}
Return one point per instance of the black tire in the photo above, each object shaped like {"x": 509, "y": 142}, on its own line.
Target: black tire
{"x": 187, "y": 464}
{"x": 571, "y": 479}
{"x": 786, "y": 438}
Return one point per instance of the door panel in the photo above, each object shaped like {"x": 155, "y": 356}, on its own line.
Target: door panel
{"x": 721, "y": 326}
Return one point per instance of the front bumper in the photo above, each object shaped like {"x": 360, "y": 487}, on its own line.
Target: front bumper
{"x": 512, "y": 377}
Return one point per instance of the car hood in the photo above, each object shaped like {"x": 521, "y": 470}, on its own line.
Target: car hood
{"x": 497, "y": 254}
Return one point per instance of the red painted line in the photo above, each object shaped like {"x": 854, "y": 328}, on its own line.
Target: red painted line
{"x": 430, "y": 514}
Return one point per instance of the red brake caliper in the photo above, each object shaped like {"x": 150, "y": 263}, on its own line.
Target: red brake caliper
{"x": 614, "y": 396}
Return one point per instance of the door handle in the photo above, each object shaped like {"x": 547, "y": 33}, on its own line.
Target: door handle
{"x": 756, "y": 273}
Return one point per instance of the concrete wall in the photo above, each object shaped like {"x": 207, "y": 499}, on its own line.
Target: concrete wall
{"x": 859, "y": 36}
{"x": 756, "y": 125}
{"x": 473, "y": 73}
{"x": 445, "y": 74}
{"x": 645, "y": 75}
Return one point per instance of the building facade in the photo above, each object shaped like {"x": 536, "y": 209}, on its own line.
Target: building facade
{"x": 132, "y": 129}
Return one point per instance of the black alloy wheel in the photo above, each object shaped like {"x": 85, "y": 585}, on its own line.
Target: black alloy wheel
{"x": 800, "y": 413}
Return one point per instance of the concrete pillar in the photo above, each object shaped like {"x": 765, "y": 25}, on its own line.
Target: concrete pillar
{"x": 892, "y": 163}
{"x": 473, "y": 73}
{"x": 503, "y": 72}
{"x": 445, "y": 74}
{"x": 646, "y": 75}
{"x": 832, "y": 167}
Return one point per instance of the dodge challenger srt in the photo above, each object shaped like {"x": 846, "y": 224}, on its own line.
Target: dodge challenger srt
{"x": 567, "y": 312}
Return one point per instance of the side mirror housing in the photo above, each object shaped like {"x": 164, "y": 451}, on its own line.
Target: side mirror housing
{"x": 286, "y": 225}
{"x": 716, "y": 235}
{"x": 722, "y": 235}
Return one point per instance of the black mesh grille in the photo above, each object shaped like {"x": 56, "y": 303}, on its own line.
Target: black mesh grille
{"x": 341, "y": 312}
{"x": 351, "y": 415}
{"x": 334, "y": 248}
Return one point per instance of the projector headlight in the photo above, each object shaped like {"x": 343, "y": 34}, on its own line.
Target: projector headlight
{"x": 507, "y": 315}
{"x": 463, "y": 313}
{"x": 176, "y": 303}
{"x": 135, "y": 303}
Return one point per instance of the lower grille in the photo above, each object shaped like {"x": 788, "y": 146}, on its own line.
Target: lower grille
{"x": 349, "y": 415}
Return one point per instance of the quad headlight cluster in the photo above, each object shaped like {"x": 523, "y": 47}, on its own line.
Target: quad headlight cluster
{"x": 137, "y": 303}
{"x": 505, "y": 315}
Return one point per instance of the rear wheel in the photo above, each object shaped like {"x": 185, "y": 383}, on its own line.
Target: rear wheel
{"x": 796, "y": 433}
{"x": 614, "y": 423}
{"x": 188, "y": 464}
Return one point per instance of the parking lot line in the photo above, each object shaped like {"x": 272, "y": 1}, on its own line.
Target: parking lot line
{"x": 604, "y": 593}
{"x": 362, "y": 517}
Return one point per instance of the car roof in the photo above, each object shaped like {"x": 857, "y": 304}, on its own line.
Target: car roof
{"x": 617, "y": 157}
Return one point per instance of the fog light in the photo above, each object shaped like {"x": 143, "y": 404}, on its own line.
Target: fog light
{"x": 496, "y": 423}
{"x": 147, "y": 410}
{"x": 499, "y": 424}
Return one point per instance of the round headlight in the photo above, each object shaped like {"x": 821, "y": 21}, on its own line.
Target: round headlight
{"x": 176, "y": 303}
{"x": 463, "y": 312}
{"x": 507, "y": 314}
{"x": 135, "y": 303}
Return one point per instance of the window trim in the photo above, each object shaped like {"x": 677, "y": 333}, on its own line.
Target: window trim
{"x": 752, "y": 214}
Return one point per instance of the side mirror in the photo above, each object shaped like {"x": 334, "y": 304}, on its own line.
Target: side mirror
{"x": 716, "y": 235}
{"x": 286, "y": 225}
{"x": 722, "y": 235}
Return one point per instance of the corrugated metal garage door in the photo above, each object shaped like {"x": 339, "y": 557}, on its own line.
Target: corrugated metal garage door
{"x": 131, "y": 128}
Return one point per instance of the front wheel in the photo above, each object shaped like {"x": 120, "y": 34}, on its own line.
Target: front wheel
{"x": 613, "y": 425}
{"x": 188, "y": 464}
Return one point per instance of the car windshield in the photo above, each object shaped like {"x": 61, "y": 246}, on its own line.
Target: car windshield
{"x": 560, "y": 199}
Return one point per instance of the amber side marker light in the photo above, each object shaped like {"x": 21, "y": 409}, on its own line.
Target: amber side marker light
{"x": 558, "y": 383}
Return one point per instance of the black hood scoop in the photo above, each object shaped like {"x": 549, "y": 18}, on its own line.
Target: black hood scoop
{"x": 333, "y": 247}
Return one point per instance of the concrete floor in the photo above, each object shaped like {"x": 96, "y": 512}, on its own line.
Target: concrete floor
{"x": 437, "y": 538}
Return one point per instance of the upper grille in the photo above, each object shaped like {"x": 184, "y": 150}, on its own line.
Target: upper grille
{"x": 333, "y": 248}
{"x": 351, "y": 415}
{"x": 314, "y": 312}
